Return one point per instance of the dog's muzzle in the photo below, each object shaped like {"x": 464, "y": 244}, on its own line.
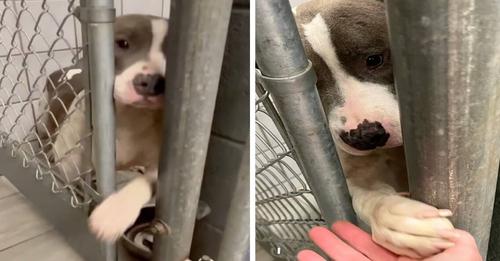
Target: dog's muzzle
{"x": 149, "y": 84}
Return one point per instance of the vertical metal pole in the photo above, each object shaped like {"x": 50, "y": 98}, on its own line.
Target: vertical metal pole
{"x": 195, "y": 49}
{"x": 289, "y": 78}
{"x": 235, "y": 244}
{"x": 446, "y": 62}
{"x": 494, "y": 243}
{"x": 99, "y": 16}
{"x": 87, "y": 157}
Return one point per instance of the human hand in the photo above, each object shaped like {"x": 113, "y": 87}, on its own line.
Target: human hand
{"x": 349, "y": 243}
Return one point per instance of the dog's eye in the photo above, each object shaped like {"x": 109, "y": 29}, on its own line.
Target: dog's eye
{"x": 374, "y": 61}
{"x": 123, "y": 44}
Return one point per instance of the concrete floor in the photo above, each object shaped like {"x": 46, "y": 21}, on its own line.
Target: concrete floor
{"x": 261, "y": 254}
{"x": 25, "y": 235}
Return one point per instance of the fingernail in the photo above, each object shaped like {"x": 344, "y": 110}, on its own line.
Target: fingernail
{"x": 443, "y": 244}
{"x": 445, "y": 213}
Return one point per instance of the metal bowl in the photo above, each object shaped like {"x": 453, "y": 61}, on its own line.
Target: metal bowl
{"x": 138, "y": 239}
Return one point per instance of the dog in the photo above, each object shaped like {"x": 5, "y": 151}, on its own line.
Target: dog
{"x": 139, "y": 85}
{"x": 347, "y": 44}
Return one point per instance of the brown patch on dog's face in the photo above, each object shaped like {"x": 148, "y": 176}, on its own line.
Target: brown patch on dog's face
{"x": 360, "y": 39}
{"x": 133, "y": 36}
{"x": 347, "y": 43}
{"x": 359, "y": 33}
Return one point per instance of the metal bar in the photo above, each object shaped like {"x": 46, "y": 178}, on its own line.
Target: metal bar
{"x": 288, "y": 76}
{"x": 99, "y": 18}
{"x": 56, "y": 208}
{"x": 494, "y": 242}
{"x": 87, "y": 143}
{"x": 235, "y": 244}
{"x": 445, "y": 56}
{"x": 279, "y": 51}
{"x": 195, "y": 49}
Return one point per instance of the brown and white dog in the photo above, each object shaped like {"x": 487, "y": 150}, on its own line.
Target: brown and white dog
{"x": 138, "y": 92}
{"x": 347, "y": 43}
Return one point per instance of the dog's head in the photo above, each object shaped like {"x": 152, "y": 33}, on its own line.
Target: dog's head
{"x": 347, "y": 42}
{"x": 139, "y": 60}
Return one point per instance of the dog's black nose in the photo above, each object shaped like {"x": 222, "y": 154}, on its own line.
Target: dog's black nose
{"x": 149, "y": 84}
{"x": 367, "y": 136}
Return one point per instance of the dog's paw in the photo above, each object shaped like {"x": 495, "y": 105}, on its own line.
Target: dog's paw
{"x": 411, "y": 228}
{"x": 113, "y": 216}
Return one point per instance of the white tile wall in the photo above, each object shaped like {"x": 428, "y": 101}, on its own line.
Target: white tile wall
{"x": 297, "y": 2}
{"x": 152, "y": 7}
{"x": 118, "y": 7}
{"x": 7, "y": 29}
{"x": 36, "y": 79}
{"x": 41, "y": 25}
{"x": 166, "y": 9}
{"x": 17, "y": 119}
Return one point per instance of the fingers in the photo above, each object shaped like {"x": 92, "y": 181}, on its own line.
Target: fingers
{"x": 435, "y": 213}
{"x": 430, "y": 227}
{"x": 465, "y": 249}
{"x": 309, "y": 255}
{"x": 411, "y": 228}
{"x": 423, "y": 246}
{"x": 361, "y": 241}
{"x": 402, "y": 251}
{"x": 408, "y": 207}
{"x": 333, "y": 246}
{"x": 463, "y": 238}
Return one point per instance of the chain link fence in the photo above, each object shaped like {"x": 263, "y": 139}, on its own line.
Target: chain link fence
{"x": 285, "y": 206}
{"x": 40, "y": 51}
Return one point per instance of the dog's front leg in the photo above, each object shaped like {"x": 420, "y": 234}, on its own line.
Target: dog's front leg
{"x": 402, "y": 225}
{"x": 117, "y": 212}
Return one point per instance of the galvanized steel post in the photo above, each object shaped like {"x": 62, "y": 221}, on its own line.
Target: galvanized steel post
{"x": 494, "y": 244}
{"x": 99, "y": 16}
{"x": 288, "y": 76}
{"x": 195, "y": 49}
{"x": 235, "y": 244}
{"x": 446, "y": 57}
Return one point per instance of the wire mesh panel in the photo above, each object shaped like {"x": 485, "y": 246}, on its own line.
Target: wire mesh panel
{"x": 40, "y": 62}
{"x": 285, "y": 206}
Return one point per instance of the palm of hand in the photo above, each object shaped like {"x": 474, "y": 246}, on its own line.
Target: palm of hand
{"x": 349, "y": 243}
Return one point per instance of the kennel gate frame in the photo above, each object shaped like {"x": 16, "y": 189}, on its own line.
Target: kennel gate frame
{"x": 287, "y": 65}
{"x": 453, "y": 153}
{"x": 195, "y": 62}
{"x": 97, "y": 17}
{"x": 285, "y": 74}
{"x": 280, "y": 187}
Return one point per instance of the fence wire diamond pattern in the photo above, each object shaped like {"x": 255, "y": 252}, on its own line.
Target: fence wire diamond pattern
{"x": 38, "y": 39}
{"x": 285, "y": 205}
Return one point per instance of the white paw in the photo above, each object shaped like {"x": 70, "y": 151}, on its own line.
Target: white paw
{"x": 411, "y": 228}
{"x": 113, "y": 216}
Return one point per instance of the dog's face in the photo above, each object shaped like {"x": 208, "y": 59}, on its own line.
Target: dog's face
{"x": 139, "y": 61}
{"x": 347, "y": 42}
